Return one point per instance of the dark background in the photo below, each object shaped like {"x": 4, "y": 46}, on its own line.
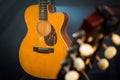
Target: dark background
{"x": 13, "y": 29}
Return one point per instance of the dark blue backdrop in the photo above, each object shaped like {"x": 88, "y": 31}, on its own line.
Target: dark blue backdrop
{"x": 13, "y": 29}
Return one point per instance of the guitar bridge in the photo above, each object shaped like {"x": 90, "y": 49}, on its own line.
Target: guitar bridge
{"x": 43, "y": 50}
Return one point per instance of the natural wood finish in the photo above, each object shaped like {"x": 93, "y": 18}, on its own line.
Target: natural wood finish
{"x": 39, "y": 64}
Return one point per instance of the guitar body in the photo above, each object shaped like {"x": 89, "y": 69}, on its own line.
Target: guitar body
{"x": 43, "y": 65}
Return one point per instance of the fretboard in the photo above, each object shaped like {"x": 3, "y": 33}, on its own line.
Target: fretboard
{"x": 43, "y": 14}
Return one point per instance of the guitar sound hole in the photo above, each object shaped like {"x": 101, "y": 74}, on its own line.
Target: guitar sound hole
{"x": 51, "y": 39}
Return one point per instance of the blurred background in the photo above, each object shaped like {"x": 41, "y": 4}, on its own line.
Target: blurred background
{"x": 13, "y": 29}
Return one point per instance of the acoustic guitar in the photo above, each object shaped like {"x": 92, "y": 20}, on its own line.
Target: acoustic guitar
{"x": 96, "y": 30}
{"x": 46, "y": 41}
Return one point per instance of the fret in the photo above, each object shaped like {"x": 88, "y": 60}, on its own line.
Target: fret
{"x": 43, "y": 14}
{"x": 43, "y": 4}
{"x": 43, "y": 11}
{"x": 43, "y": 8}
{"x": 43, "y": 18}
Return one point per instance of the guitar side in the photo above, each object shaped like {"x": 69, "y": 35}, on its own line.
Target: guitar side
{"x": 39, "y": 64}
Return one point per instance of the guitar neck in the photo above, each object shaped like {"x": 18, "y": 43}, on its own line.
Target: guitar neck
{"x": 43, "y": 13}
